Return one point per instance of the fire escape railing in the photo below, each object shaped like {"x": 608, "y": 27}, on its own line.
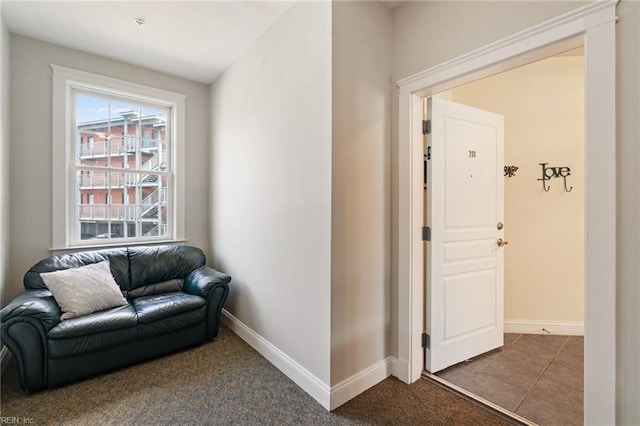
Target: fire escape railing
{"x": 120, "y": 212}
{"x": 153, "y": 201}
{"x": 148, "y": 210}
{"x": 157, "y": 231}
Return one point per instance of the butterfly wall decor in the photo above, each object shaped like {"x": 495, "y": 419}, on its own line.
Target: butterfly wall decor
{"x": 510, "y": 171}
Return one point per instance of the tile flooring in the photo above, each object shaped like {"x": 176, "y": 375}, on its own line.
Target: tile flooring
{"x": 539, "y": 377}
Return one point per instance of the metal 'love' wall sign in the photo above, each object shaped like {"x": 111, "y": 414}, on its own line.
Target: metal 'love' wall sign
{"x": 549, "y": 173}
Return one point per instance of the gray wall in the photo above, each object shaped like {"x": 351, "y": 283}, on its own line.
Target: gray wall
{"x": 31, "y": 164}
{"x": 361, "y": 171}
{"x": 271, "y": 185}
{"x": 428, "y": 33}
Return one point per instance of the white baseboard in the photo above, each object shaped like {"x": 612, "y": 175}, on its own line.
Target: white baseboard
{"x": 5, "y": 356}
{"x": 544, "y": 327}
{"x": 400, "y": 369}
{"x": 315, "y": 387}
{"x": 358, "y": 383}
{"x": 329, "y": 397}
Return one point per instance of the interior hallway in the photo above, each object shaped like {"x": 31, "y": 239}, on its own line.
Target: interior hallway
{"x": 538, "y": 377}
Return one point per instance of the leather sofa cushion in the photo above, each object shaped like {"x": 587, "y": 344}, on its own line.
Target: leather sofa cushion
{"x": 153, "y": 289}
{"x": 152, "y": 265}
{"x": 96, "y": 323}
{"x": 74, "y": 346}
{"x": 161, "y": 306}
{"x": 183, "y": 321}
{"x": 93, "y": 332}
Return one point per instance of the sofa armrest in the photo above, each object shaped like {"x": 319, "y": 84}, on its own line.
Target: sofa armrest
{"x": 36, "y": 305}
{"x": 204, "y": 279}
{"x": 26, "y": 321}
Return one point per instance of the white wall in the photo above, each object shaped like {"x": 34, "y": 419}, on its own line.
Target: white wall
{"x": 360, "y": 257}
{"x": 628, "y": 214}
{"x": 271, "y": 186}
{"x": 4, "y": 161}
{"x": 544, "y": 261}
{"x": 31, "y": 164}
{"x": 277, "y": 175}
{"x": 428, "y": 33}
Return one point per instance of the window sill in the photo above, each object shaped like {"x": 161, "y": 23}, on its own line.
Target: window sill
{"x": 64, "y": 250}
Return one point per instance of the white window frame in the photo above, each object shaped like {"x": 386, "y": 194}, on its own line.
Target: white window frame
{"x": 65, "y": 82}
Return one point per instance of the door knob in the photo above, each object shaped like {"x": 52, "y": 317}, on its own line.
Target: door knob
{"x": 501, "y": 242}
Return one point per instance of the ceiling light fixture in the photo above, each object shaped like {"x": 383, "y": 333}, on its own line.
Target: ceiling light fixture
{"x": 139, "y": 22}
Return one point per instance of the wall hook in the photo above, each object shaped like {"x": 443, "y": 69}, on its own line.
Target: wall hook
{"x": 565, "y": 186}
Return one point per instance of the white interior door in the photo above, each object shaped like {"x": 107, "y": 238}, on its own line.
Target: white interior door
{"x": 465, "y": 255}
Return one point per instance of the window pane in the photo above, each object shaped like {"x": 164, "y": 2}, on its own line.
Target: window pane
{"x": 121, "y": 205}
{"x": 153, "y": 207}
{"x": 154, "y": 127}
{"x": 122, "y": 168}
{"x": 92, "y": 128}
{"x": 120, "y": 134}
{"x": 93, "y": 143}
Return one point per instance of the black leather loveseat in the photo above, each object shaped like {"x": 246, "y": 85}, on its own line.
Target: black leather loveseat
{"x": 172, "y": 301}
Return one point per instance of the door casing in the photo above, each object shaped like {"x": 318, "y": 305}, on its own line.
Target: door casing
{"x": 592, "y": 26}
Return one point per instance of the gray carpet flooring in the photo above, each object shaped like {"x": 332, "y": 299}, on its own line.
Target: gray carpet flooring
{"x": 226, "y": 382}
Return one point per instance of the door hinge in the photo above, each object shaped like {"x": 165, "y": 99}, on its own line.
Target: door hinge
{"x": 426, "y": 341}
{"x": 426, "y": 233}
{"x": 426, "y": 127}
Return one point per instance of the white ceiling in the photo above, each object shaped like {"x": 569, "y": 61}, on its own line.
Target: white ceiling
{"x": 194, "y": 40}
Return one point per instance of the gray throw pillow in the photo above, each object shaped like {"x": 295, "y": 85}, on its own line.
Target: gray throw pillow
{"x": 81, "y": 291}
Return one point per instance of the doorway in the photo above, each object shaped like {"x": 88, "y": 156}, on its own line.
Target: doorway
{"x": 538, "y": 373}
{"x": 594, "y": 27}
